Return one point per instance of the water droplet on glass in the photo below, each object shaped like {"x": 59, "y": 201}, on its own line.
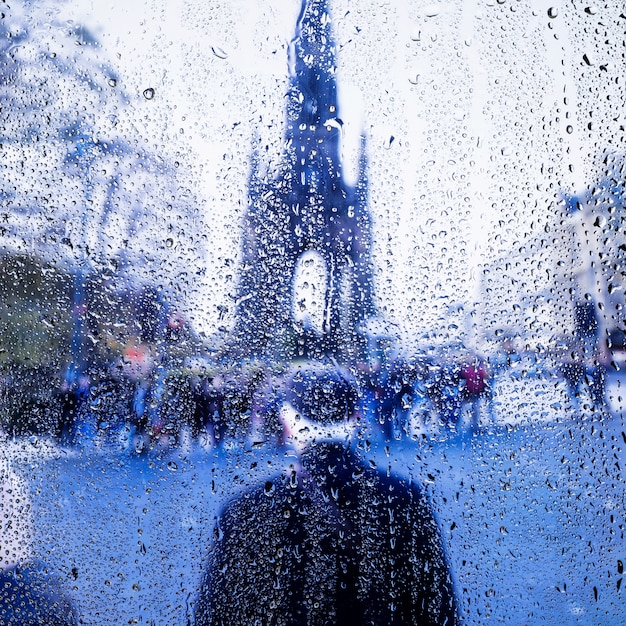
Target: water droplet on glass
{"x": 600, "y": 221}
{"x": 592, "y": 10}
{"x": 148, "y": 94}
{"x": 588, "y": 59}
{"x": 569, "y": 129}
{"x": 553, "y": 12}
{"x": 112, "y": 82}
{"x": 169, "y": 242}
{"x": 219, "y": 52}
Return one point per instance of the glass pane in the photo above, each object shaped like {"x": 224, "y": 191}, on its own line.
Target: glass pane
{"x": 312, "y": 312}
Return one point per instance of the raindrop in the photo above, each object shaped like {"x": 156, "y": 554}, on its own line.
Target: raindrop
{"x": 569, "y": 129}
{"x": 588, "y": 59}
{"x": 112, "y": 82}
{"x": 600, "y": 221}
{"x": 169, "y": 242}
{"x": 219, "y": 52}
{"x": 148, "y": 94}
{"x": 172, "y": 466}
{"x": 553, "y": 12}
{"x": 592, "y": 10}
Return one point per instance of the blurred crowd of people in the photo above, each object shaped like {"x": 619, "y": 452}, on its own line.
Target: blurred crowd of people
{"x": 158, "y": 389}
{"x": 144, "y": 404}
{"x": 145, "y": 401}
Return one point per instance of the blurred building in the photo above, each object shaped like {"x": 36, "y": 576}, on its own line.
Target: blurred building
{"x": 567, "y": 282}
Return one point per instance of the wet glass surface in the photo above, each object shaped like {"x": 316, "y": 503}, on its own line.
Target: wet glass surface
{"x": 319, "y": 297}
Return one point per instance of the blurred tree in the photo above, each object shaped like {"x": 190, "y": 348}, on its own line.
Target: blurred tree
{"x": 86, "y": 214}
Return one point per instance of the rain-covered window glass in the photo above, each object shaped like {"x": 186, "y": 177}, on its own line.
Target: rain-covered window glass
{"x": 312, "y": 312}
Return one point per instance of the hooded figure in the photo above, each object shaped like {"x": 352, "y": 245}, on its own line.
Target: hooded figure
{"x": 332, "y": 541}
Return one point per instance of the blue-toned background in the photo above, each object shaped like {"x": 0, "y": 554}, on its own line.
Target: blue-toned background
{"x": 483, "y": 145}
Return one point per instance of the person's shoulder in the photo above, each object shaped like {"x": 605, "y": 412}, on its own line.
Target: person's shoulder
{"x": 386, "y": 483}
{"x": 400, "y": 488}
{"x": 257, "y": 498}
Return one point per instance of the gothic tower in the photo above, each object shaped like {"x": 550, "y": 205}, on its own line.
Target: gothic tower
{"x": 308, "y": 206}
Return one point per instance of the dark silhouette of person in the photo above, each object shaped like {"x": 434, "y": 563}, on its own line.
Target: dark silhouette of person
{"x": 332, "y": 540}
{"x": 476, "y": 385}
{"x": 444, "y": 390}
{"x": 398, "y": 396}
{"x": 587, "y": 333}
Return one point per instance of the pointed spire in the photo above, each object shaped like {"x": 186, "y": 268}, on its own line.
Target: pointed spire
{"x": 313, "y": 124}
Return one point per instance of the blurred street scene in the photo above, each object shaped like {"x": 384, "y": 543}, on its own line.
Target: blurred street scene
{"x": 155, "y": 344}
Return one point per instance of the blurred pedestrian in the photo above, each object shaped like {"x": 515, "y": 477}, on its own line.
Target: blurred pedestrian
{"x": 397, "y": 398}
{"x": 138, "y": 365}
{"x": 209, "y": 408}
{"x": 444, "y": 390}
{"x": 593, "y": 355}
{"x": 476, "y": 387}
{"x": 73, "y": 423}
